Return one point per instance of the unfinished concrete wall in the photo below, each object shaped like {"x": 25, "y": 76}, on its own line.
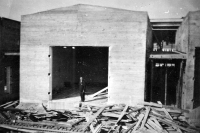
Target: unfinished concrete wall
{"x": 187, "y": 38}
{"x": 123, "y": 31}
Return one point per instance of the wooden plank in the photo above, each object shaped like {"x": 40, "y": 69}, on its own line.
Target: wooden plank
{"x": 6, "y": 104}
{"x": 150, "y": 104}
{"x": 141, "y": 116}
{"x": 117, "y": 130}
{"x": 169, "y": 116}
{"x": 135, "y": 110}
{"x": 9, "y": 105}
{"x": 99, "y": 92}
{"x": 111, "y": 115}
{"x": 173, "y": 124}
{"x": 155, "y": 127}
{"x": 98, "y": 128}
{"x": 122, "y": 114}
{"x": 156, "y": 122}
{"x": 80, "y": 120}
{"x": 113, "y": 109}
{"x": 149, "y": 127}
{"x": 95, "y": 116}
{"x": 49, "y": 123}
{"x": 145, "y": 117}
{"x": 17, "y": 129}
{"x": 130, "y": 127}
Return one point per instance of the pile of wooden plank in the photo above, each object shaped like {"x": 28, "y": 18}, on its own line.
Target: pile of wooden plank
{"x": 146, "y": 117}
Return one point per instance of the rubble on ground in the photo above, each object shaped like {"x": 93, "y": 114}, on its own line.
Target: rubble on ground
{"x": 146, "y": 117}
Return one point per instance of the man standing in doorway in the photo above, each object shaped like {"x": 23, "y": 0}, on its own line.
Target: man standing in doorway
{"x": 82, "y": 89}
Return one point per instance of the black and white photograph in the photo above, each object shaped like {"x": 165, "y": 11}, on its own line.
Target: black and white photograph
{"x": 100, "y": 66}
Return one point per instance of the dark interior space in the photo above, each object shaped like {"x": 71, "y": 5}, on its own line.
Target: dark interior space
{"x": 166, "y": 35}
{"x": 164, "y": 40}
{"x": 165, "y": 76}
{"x": 71, "y": 63}
{"x": 9, "y": 78}
{"x": 197, "y": 78}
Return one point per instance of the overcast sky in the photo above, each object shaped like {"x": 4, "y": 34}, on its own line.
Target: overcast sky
{"x": 156, "y": 9}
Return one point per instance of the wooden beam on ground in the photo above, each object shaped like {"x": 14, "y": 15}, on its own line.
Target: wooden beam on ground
{"x": 141, "y": 116}
{"x": 108, "y": 114}
{"x": 48, "y": 123}
{"x": 94, "y": 117}
{"x": 151, "y": 104}
{"x": 173, "y": 124}
{"x": 97, "y": 93}
{"x": 80, "y": 120}
{"x": 122, "y": 114}
{"x": 156, "y": 122}
{"x": 113, "y": 109}
{"x": 17, "y": 129}
{"x": 130, "y": 127}
{"x": 117, "y": 130}
{"x": 154, "y": 126}
{"x": 145, "y": 117}
{"x": 135, "y": 110}
{"x": 9, "y": 105}
{"x": 169, "y": 116}
{"x": 149, "y": 127}
{"x": 6, "y": 104}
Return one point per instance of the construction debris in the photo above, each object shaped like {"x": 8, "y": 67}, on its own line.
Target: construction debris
{"x": 117, "y": 118}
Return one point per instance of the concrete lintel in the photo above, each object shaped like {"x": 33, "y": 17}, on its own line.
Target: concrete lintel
{"x": 167, "y": 56}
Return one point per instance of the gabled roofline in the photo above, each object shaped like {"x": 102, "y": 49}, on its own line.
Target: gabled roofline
{"x": 77, "y": 5}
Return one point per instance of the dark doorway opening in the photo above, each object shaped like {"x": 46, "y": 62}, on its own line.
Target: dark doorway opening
{"x": 197, "y": 78}
{"x": 9, "y": 75}
{"x": 166, "y": 70}
{"x": 166, "y": 81}
{"x": 71, "y": 63}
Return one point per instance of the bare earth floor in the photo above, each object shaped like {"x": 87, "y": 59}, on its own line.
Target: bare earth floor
{"x": 70, "y": 99}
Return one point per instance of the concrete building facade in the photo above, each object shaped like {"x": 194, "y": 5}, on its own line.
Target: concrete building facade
{"x": 126, "y": 34}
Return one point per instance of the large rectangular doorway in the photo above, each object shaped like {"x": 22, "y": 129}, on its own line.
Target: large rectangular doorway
{"x": 166, "y": 81}
{"x": 70, "y": 63}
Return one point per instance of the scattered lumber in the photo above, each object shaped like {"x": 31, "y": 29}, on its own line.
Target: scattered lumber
{"x": 94, "y": 117}
{"x": 147, "y": 117}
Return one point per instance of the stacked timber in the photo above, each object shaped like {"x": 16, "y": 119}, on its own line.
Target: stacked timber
{"x": 146, "y": 117}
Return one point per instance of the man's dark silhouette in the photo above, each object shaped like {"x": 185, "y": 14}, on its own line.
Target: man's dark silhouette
{"x": 82, "y": 89}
